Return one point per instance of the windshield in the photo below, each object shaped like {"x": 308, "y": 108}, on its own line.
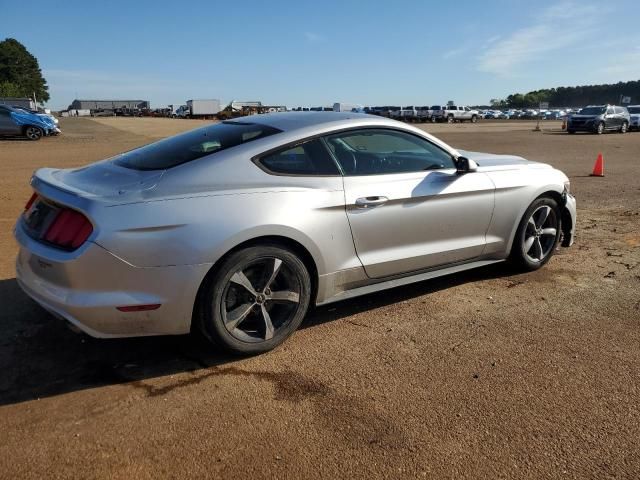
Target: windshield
{"x": 593, "y": 111}
{"x": 633, "y": 109}
{"x": 192, "y": 145}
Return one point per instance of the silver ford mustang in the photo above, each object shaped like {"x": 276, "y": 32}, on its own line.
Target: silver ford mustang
{"x": 237, "y": 228}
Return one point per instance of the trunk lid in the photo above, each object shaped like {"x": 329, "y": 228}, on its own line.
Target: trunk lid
{"x": 103, "y": 179}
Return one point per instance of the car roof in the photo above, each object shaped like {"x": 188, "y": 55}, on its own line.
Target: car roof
{"x": 291, "y": 121}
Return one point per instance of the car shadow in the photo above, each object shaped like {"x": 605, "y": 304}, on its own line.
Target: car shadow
{"x": 41, "y": 357}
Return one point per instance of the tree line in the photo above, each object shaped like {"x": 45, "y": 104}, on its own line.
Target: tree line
{"x": 573, "y": 96}
{"x": 20, "y": 74}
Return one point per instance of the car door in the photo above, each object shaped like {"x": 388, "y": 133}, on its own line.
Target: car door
{"x": 7, "y": 125}
{"x": 610, "y": 120}
{"x": 407, "y": 206}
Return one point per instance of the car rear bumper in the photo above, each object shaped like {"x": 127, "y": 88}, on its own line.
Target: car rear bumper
{"x": 86, "y": 289}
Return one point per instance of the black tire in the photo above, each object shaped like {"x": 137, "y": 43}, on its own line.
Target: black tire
{"x": 450, "y": 119}
{"x": 474, "y": 118}
{"x": 522, "y": 257}
{"x": 220, "y": 293}
{"x": 600, "y": 128}
{"x": 33, "y": 133}
{"x": 624, "y": 127}
{"x": 433, "y": 119}
{"x": 571, "y": 132}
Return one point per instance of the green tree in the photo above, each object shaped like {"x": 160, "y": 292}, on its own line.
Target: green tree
{"x": 20, "y": 73}
{"x": 8, "y": 89}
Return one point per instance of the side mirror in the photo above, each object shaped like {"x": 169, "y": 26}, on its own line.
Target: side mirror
{"x": 466, "y": 165}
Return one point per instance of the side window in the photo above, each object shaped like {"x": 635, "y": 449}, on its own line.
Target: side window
{"x": 381, "y": 151}
{"x": 467, "y": 109}
{"x": 309, "y": 158}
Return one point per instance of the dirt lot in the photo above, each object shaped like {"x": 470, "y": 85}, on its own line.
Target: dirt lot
{"x": 487, "y": 374}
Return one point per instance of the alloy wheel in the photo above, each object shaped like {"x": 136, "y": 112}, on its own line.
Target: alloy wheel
{"x": 260, "y": 299}
{"x": 540, "y": 234}
{"x": 33, "y": 133}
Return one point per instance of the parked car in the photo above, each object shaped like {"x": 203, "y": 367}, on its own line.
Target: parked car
{"x": 437, "y": 113}
{"x": 598, "y": 119}
{"x": 41, "y": 114}
{"x": 409, "y": 114}
{"x": 424, "y": 113}
{"x": 453, "y": 113}
{"x": 634, "y": 117}
{"x": 19, "y": 122}
{"x": 182, "y": 234}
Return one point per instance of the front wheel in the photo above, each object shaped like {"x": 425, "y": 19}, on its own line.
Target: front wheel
{"x": 600, "y": 128}
{"x": 450, "y": 119}
{"x": 255, "y": 299}
{"x": 538, "y": 234}
{"x": 474, "y": 119}
{"x": 624, "y": 127}
{"x": 33, "y": 133}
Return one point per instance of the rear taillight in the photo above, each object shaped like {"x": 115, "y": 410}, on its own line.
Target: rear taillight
{"x": 30, "y": 202}
{"x": 69, "y": 229}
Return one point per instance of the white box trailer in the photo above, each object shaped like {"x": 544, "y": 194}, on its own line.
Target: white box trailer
{"x": 202, "y": 108}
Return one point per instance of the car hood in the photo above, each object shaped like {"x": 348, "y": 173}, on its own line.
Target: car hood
{"x": 492, "y": 162}
{"x": 30, "y": 119}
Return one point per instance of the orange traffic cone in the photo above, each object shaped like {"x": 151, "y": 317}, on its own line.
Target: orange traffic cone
{"x": 598, "y": 168}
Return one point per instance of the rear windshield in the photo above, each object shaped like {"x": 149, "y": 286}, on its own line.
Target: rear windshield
{"x": 593, "y": 111}
{"x": 190, "y": 146}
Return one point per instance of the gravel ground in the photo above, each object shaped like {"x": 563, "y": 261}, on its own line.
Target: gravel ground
{"x": 485, "y": 374}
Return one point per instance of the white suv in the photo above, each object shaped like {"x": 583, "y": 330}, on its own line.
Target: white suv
{"x": 460, "y": 114}
{"x": 634, "y": 117}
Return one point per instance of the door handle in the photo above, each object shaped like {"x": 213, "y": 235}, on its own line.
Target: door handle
{"x": 369, "y": 202}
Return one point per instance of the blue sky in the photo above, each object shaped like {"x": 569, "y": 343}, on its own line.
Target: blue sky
{"x": 315, "y": 53}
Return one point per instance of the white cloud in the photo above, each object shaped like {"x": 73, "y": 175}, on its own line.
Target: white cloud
{"x": 624, "y": 66}
{"x": 556, "y": 28}
{"x": 314, "y": 37}
{"x": 456, "y": 52}
{"x": 65, "y": 85}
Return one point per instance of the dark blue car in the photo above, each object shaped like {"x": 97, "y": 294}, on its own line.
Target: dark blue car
{"x": 18, "y": 122}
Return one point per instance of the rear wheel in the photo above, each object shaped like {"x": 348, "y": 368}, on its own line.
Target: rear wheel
{"x": 255, "y": 299}
{"x": 537, "y": 235}
{"x": 33, "y": 133}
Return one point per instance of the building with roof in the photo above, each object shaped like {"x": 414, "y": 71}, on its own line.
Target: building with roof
{"x": 23, "y": 102}
{"x": 108, "y": 104}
